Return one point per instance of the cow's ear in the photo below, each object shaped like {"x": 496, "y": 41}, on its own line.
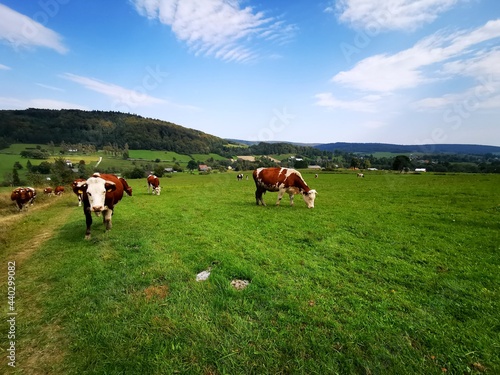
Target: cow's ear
{"x": 82, "y": 188}
{"x": 110, "y": 186}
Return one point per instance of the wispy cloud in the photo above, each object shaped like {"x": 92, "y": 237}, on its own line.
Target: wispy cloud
{"x": 49, "y": 87}
{"x": 219, "y": 28}
{"x": 128, "y": 97}
{"x": 406, "y": 69}
{"x": 365, "y": 104}
{"x": 4, "y": 67}
{"x": 20, "y": 31}
{"x": 123, "y": 97}
{"x": 390, "y": 15}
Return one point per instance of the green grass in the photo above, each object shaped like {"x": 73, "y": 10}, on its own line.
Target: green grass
{"x": 390, "y": 274}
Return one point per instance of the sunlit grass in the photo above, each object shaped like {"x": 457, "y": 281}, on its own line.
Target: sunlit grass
{"x": 390, "y": 274}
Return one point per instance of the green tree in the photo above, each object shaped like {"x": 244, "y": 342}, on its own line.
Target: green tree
{"x": 61, "y": 173}
{"x": 401, "y": 162}
{"x": 15, "y": 177}
{"x": 192, "y": 165}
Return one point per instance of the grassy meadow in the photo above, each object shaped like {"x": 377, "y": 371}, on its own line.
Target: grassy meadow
{"x": 388, "y": 274}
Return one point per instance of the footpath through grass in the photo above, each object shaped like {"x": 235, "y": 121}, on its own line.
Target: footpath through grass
{"x": 390, "y": 274}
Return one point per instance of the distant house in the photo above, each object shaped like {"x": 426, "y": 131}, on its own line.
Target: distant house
{"x": 316, "y": 167}
{"x": 420, "y": 170}
{"x": 203, "y": 168}
{"x": 168, "y": 170}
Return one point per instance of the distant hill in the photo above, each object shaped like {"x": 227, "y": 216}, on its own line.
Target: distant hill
{"x": 371, "y": 148}
{"x": 101, "y": 128}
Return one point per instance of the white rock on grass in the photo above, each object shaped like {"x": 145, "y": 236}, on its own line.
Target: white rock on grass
{"x": 240, "y": 284}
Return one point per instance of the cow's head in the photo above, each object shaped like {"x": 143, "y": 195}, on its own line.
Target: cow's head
{"x": 96, "y": 188}
{"x": 157, "y": 190}
{"x": 309, "y": 197}
{"x": 18, "y": 193}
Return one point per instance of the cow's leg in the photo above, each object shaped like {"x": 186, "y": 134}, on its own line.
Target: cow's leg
{"x": 79, "y": 201}
{"x": 280, "y": 195}
{"x": 258, "y": 196}
{"x": 106, "y": 218}
{"x": 291, "y": 199}
{"x": 88, "y": 220}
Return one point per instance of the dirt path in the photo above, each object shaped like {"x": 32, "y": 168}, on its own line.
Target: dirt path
{"x": 37, "y": 234}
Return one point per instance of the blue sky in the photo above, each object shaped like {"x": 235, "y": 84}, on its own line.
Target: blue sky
{"x": 400, "y": 71}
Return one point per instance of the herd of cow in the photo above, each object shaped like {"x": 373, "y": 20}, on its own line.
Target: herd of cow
{"x": 101, "y": 192}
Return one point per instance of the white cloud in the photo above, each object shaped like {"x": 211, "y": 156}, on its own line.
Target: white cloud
{"x": 4, "y": 67}
{"x": 124, "y": 99}
{"x": 219, "y": 28}
{"x": 49, "y": 87}
{"x": 121, "y": 95}
{"x": 386, "y": 73}
{"x": 391, "y": 15}
{"x": 20, "y": 31}
{"x": 365, "y": 104}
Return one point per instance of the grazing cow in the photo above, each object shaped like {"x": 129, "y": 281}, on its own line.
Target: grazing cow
{"x": 101, "y": 193}
{"x": 240, "y": 177}
{"x": 23, "y": 196}
{"x": 48, "y": 191}
{"x": 77, "y": 189}
{"x": 282, "y": 180}
{"x": 59, "y": 190}
{"x": 361, "y": 175}
{"x": 154, "y": 184}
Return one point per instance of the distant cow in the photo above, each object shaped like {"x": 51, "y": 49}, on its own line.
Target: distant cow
{"x": 240, "y": 177}
{"x": 77, "y": 189}
{"x": 59, "y": 190}
{"x": 101, "y": 193}
{"x": 361, "y": 175}
{"x": 23, "y": 196}
{"x": 282, "y": 180}
{"x": 48, "y": 191}
{"x": 154, "y": 184}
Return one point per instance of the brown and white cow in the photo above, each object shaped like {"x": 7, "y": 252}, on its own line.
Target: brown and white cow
{"x": 59, "y": 190}
{"x": 48, "y": 191}
{"x": 360, "y": 175}
{"x": 23, "y": 196}
{"x": 282, "y": 180}
{"x": 101, "y": 193}
{"x": 77, "y": 189}
{"x": 154, "y": 184}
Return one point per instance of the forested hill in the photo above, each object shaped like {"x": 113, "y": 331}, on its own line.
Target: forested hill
{"x": 102, "y": 128}
{"x": 370, "y": 148}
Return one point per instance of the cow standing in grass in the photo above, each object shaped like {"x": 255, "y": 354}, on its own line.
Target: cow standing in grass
{"x": 23, "y": 196}
{"x": 282, "y": 180}
{"x": 101, "y": 193}
{"x": 59, "y": 190}
{"x": 154, "y": 184}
